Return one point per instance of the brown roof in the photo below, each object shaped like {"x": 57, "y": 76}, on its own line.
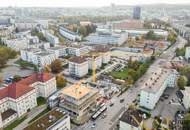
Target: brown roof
{"x": 16, "y": 90}
{"x": 6, "y": 114}
{"x": 129, "y": 115}
{"x": 101, "y": 49}
{"x": 130, "y": 24}
{"x": 77, "y": 59}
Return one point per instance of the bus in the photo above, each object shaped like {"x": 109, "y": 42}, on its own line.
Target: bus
{"x": 99, "y": 112}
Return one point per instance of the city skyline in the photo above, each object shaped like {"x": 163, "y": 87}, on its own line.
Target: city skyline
{"x": 83, "y": 3}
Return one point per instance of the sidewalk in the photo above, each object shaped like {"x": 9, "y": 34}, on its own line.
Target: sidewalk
{"x": 30, "y": 116}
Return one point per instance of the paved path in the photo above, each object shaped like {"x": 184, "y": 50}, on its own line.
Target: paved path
{"x": 30, "y": 116}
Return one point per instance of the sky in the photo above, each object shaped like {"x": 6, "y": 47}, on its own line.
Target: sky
{"x": 83, "y": 3}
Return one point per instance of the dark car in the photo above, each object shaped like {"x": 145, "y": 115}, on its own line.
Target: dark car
{"x": 122, "y": 100}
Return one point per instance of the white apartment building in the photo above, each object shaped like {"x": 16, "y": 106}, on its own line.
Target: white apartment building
{"x": 187, "y": 53}
{"x": 54, "y": 41}
{"x": 186, "y": 97}
{"x": 43, "y": 58}
{"x": 59, "y": 51}
{"x": 77, "y": 50}
{"x": 105, "y": 57}
{"x": 69, "y": 34}
{"x": 18, "y": 98}
{"x": 78, "y": 66}
{"x": 17, "y": 44}
{"x": 154, "y": 85}
{"x": 38, "y": 57}
{"x": 97, "y": 61}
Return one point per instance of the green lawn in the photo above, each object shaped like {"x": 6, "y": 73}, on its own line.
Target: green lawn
{"x": 24, "y": 63}
{"x": 120, "y": 74}
{"x": 39, "y": 115}
{"x": 41, "y": 101}
{"x": 15, "y": 123}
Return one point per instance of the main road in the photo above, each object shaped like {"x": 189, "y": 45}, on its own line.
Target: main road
{"x": 129, "y": 96}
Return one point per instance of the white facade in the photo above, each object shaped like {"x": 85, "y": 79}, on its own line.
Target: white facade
{"x": 105, "y": 58}
{"x": 20, "y": 105}
{"x": 186, "y": 97}
{"x": 69, "y": 35}
{"x": 17, "y": 44}
{"x": 154, "y": 86}
{"x": 51, "y": 38}
{"x": 97, "y": 61}
{"x": 78, "y": 69}
{"x": 187, "y": 53}
{"x": 58, "y": 51}
{"x": 45, "y": 89}
{"x": 44, "y": 58}
{"x": 77, "y": 50}
{"x": 38, "y": 57}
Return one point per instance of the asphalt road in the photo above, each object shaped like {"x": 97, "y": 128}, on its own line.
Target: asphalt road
{"x": 114, "y": 112}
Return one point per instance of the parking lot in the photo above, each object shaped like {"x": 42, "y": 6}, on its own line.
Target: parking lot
{"x": 168, "y": 105}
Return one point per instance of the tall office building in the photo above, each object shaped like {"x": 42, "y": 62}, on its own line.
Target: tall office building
{"x": 137, "y": 12}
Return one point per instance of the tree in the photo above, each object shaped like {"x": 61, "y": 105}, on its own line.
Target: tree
{"x": 47, "y": 69}
{"x": 16, "y": 78}
{"x": 60, "y": 81}
{"x": 56, "y": 66}
{"x": 180, "y": 52}
{"x": 182, "y": 82}
{"x": 186, "y": 122}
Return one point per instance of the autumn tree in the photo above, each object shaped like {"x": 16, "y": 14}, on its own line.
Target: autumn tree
{"x": 60, "y": 81}
{"x": 56, "y": 66}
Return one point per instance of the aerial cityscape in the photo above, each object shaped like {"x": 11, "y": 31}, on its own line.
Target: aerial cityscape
{"x": 95, "y": 65}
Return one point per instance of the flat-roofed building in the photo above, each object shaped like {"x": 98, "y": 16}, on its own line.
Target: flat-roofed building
{"x": 78, "y": 66}
{"x": 69, "y": 34}
{"x": 59, "y": 51}
{"x": 43, "y": 58}
{"x": 78, "y": 100}
{"x": 54, "y": 41}
{"x": 77, "y": 50}
{"x": 17, "y": 44}
{"x": 156, "y": 81}
{"x": 56, "y": 119}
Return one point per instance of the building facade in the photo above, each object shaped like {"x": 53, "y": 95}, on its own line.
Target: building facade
{"x": 78, "y": 67}
{"x": 157, "y": 81}
{"x": 69, "y": 34}
{"x": 78, "y": 100}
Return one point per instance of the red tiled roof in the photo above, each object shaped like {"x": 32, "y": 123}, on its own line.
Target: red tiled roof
{"x": 22, "y": 87}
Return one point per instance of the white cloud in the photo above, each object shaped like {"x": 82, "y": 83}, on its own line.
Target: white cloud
{"x": 80, "y": 3}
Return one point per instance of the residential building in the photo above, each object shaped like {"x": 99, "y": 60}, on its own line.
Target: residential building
{"x": 78, "y": 100}
{"x": 131, "y": 120}
{"x": 43, "y": 58}
{"x": 78, "y": 66}
{"x": 17, "y": 44}
{"x": 54, "y": 41}
{"x": 187, "y": 53}
{"x": 97, "y": 60}
{"x": 59, "y": 51}
{"x": 38, "y": 57}
{"x": 20, "y": 97}
{"x": 137, "y": 12}
{"x": 107, "y": 39}
{"x": 186, "y": 97}
{"x": 157, "y": 80}
{"x": 69, "y": 34}
{"x": 77, "y": 50}
{"x": 56, "y": 119}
